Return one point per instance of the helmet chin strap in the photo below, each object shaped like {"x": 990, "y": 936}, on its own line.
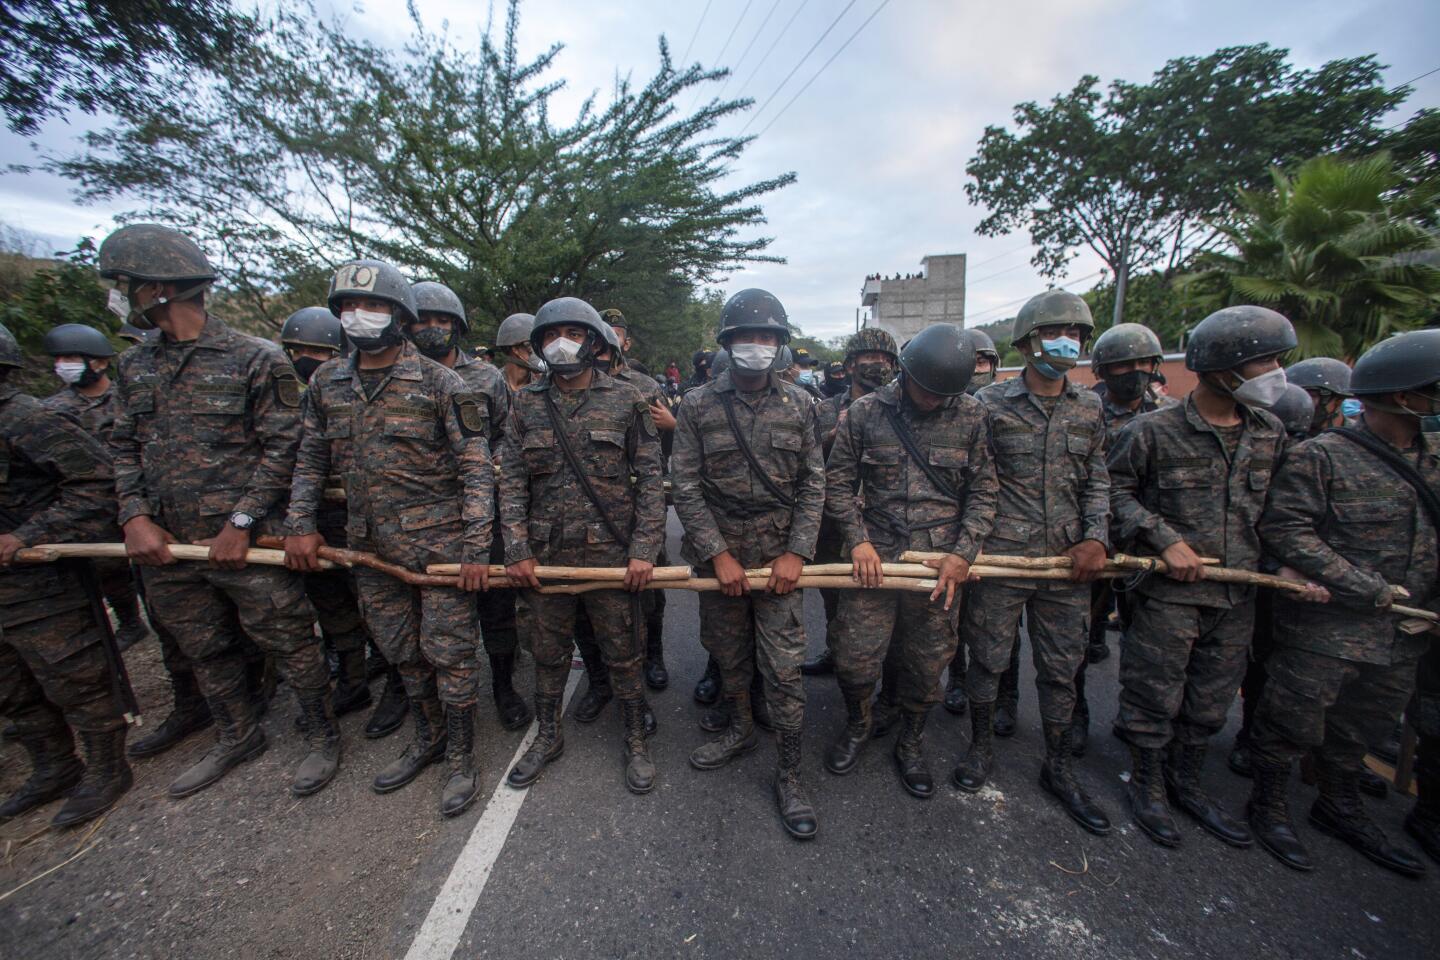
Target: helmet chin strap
{"x": 140, "y": 316}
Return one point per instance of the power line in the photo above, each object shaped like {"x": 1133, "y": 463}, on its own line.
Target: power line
{"x": 723, "y": 47}
{"x": 746, "y": 52}
{"x": 776, "y": 92}
{"x": 685, "y": 57}
{"x": 998, "y": 256}
{"x": 883, "y": 5}
{"x": 1412, "y": 80}
{"x": 1012, "y": 303}
{"x": 765, "y": 57}
{"x": 971, "y": 283}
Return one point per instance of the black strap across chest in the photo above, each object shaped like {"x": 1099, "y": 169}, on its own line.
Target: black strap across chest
{"x": 907, "y": 440}
{"x": 563, "y": 438}
{"x": 1397, "y": 462}
{"x": 785, "y": 499}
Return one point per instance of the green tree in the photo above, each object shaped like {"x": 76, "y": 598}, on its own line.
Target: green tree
{"x": 37, "y": 294}
{"x": 1339, "y": 248}
{"x": 1151, "y": 298}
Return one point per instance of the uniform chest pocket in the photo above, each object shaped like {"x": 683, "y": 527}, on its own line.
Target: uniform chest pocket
{"x": 1015, "y": 454}
{"x": 880, "y": 467}
{"x": 1368, "y": 512}
{"x": 140, "y": 407}
{"x": 337, "y": 422}
{"x": 950, "y": 460}
{"x": 1259, "y": 480}
{"x": 540, "y": 453}
{"x": 218, "y": 420}
{"x": 1078, "y": 444}
{"x": 606, "y": 456}
{"x": 411, "y": 429}
{"x": 722, "y": 453}
{"x": 785, "y": 454}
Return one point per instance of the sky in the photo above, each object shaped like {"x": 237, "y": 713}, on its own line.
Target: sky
{"x": 880, "y": 137}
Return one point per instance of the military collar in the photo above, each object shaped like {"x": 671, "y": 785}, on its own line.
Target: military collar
{"x": 215, "y": 335}
{"x": 408, "y": 365}
{"x": 463, "y": 359}
{"x": 725, "y": 384}
{"x": 1424, "y": 442}
{"x": 1016, "y": 386}
{"x": 1249, "y": 419}
{"x": 1147, "y": 405}
{"x": 891, "y": 395}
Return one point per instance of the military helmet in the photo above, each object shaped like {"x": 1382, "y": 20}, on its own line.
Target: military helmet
{"x": 376, "y": 280}
{"x": 871, "y": 339}
{"x": 569, "y": 312}
{"x": 784, "y": 359}
{"x": 701, "y": 358}
{"x": 79, "y": 339}
{"x": 984, "y": 346}
{"x": 151, "y": 252}
{"x": 10, "y": 355}
{"x": 1049, "y": 309}
{"x": 313, "y": 327}
{"x": 128, "y": 331}
{"x": 1320, "y": 373}
{"x": 1232, "y": 337}
{"x": 1124, "y": 342}
{"x": 431, "y": 296}
{"x": 752, "y": 310}
{"x": 940, "y": 358}
{"x": 720, "y": 363}
{"x": 615, "y": 318}
{"x": 514, "y": 330}
{"x": 1407, "y": 361}
{"x": 1296, "y": 409}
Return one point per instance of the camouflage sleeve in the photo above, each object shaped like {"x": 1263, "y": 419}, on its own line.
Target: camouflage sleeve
{"x": 133, "y": 497}
{"x": 312, "y": 464}
{"x": 275, "y": 406}
{"x": 842, "y": 481}
{"x": 85, "y": 507}
{"x": 648, "y": 535}
{"x": 982, "y": 493}
{"x": 514, "y": 494}
{"x": 499, "y": 415}
{"x": 1129, "y": 469}
{"x": 686, "y": 461}
{"x": 809, "y": 491}
{"x": 1095, "y": 500}
{"x": 1296, "y": 506}
{"x": 467, "y": 428}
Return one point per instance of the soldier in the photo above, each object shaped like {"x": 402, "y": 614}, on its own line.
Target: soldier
{"x": 1189, "y": 481}
{"x": 837, "y": 381}
{"x": 410, "y": 441}
{"x": 513, "y": 341}
{"x": 749, "y": 487}
{"x": 885, "y": 500}
{"x": 1049, "y": 440}
{"x": 130, "y": 333}
{"x": 438, "y": 334}
{"x": 1296, "y": 412}
{"x": 700, "y": 361}
{"x": 58, "y": 485}
{"x": 805, "y": 374}
{"x": 1328, "y": 383}
{"x": 1354, "y": 511}
{"x": 204, "y": 446}
{"x": 576, "y": 439}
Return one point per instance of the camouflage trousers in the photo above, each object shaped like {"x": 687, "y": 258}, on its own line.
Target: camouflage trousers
{"x": 496, "y": 610}
{"x": 53, "y": 671}
{"x": 210, "y": 612}
{"x": 332, "y": 593}
{"x": 1057, "y": 622}
{"x": 866, "y": 635}
{"x": 117, "y": 583}
{"x": 1180, "y": 666}
{"x": 1340, "y": 706}
{"x": 549, "y": 621}
{"x": 758, "y": 631}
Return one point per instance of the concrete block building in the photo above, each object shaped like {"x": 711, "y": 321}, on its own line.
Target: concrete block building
{"x": 905, "y": 306}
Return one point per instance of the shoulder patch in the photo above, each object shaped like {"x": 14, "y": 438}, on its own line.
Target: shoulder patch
{"x": 471, "y": 415}
{"x": 647, "y": 420}
{"x": 287, "y": 387}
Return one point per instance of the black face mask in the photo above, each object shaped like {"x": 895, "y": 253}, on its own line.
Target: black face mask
{"x": 305, "y": 368}
{"x": 88, "y": 378}
{"x": 434, "y": 342}
{"x": 872, "y": 375}
{"x": 1128, "y": 387}
{"x": 389, "y": 337}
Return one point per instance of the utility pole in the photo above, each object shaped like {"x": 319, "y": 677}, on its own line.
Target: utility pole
{"x": 1121, "y": 276}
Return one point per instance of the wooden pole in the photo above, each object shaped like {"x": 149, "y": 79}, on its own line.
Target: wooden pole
{"x": 51, "y": 552}
{"x": 569, "y": 573}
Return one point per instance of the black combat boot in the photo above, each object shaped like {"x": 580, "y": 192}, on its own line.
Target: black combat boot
{"x": 821, "y": 666}
{"x": 707, "y": 690}
{"x": 1079, "y": 739}
{"x": 54, "y": 768}
{"x": 426, "y": 747}
{"x": 1057, "y": 778}
{"x": 974, "y": 770}
{"x": 240, "y": 739}
{"x": 1183, "y": 773}
{"x": 597, "y": 688}
{"x": 1239, "y": 759}
{"x": 639, "y": 768}
{"x": 107, "y": 777}
{"x": 656, "y": 676}
{"x": 322, "y": 733}
{"x": 390, "y": 712}
{"x": 884, "y": 715}
{"x": 548, "y": 745}
{"x": 1269, "y": 813}
{"x": 796, "y": 813}
{"x": 1423, "y": 820}
{"x": 1146, "y": 792}
{"x": 1007, "y": 703}
{"x": 910, "y": 760}
{"x": 352, "y": 689}
{"x": 1005, "y": 711}
{"x": 956, "y": 700}
{"x": 261, "y": 679}
{"x": 511, "y": 708}
{"x": 190, "y": 714}
{"x": 739, "y": 738}
{"x": 130, "y": 627}
{"x": 1372, "y": 784}
{"x": 844, "y": 753}
{"x": 462, "y": 784}
{"x": 1340, "y": 812}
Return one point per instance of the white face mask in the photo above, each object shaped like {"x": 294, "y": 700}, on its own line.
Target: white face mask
{"x": 1263, "y": 391}
{"x": 364, "y": 323}
{"x": 753, "y": 357}
{"x": 69, "y": 372}
{"x": 562, "y": 351}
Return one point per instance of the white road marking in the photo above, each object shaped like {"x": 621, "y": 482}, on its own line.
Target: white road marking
{"x": 445, "y": 924}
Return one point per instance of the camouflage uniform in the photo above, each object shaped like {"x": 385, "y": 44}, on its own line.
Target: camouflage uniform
{"x": 416, "y": 464}
{"x": 724, "y": 506}
{"x": 1184, "y": 655}
{"x": 828, "y": 546}
{"x": 1053, "y": 494}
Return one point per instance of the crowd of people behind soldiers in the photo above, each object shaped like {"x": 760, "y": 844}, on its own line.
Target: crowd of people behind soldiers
{"x": 370, "y": 427}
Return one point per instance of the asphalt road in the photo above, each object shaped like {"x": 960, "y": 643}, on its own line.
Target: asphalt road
{"x": 699, "y": 868}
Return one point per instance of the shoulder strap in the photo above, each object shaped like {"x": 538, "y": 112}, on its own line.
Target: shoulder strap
{"x": 563, "y": 439}
{"x": 785, "y": 499}
{"x": 1427, "y": 497}
{"x": 923, "y": 462}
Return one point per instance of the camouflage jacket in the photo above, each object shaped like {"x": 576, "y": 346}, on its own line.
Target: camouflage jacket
{"x": 721, "y": 503}
{"x": 1054, "y": 488}
{"x": 647, "y": 386}
{"x": 96, "y": 414}
{"x": 874, "y": 492}
{"x": 545, "y": 513}
{"x": 1117, "y": 417}
{"x": 415, "y": 459}
{"x": 1343, "y": 518}
{"x": 485, "y": 380}
{"x": 827, "y": 417}
{"x": 205, "y": 429}
{"x": 1172, "y": 479}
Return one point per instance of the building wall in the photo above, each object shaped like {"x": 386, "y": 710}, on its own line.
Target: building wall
{"x": 905, "y": 307}
{"x": 1178, "y": 381}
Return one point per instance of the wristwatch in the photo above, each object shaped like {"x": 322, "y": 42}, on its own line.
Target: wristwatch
{"x": 241, "y": 521}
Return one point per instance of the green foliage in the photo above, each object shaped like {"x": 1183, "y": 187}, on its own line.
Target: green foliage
{"x": 1340, "y": 248}
{"x": 36, "y": 295}
{"x": 1151, "y": 298}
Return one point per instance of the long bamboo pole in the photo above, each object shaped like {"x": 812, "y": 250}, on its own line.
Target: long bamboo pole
{"x": 569, "y": 573}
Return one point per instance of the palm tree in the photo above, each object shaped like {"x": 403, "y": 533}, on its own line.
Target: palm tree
{"x": 1339, "y": 249}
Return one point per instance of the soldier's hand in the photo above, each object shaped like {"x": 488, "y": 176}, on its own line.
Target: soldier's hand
{"x": 731, "y": 575}
{"x": 145, "y": 542}
{"x": 784, "y": 572}
{"x": 664, "y": 419}
{"x": 867, "y": 569}
{"x": 227, "y": 549}
{"x": 1087, "y": 560}
{"x": 302, "y": 552}
{"x": 522, "y": 574}
{"x": 9, "y": 545}
{"x": 1313, "y": 592}
{"x": 1182, "y": 563}
{"x": 954, "y": 570}
{"x": 474, "y": 576}
{"x": 637, "y": 574}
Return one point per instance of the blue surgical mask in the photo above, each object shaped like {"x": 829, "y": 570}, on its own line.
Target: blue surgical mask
{"x": 1351, "y": 407}
{"x": 805, "y": 377}
{"x": 1066, "y": 347}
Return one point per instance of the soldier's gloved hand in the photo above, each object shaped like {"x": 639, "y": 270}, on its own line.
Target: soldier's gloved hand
{"x": 785, "y": 571}
{"x": 145, "y": 542}
{"x": 302, "y": 552}
{"x": 731, "y": 575}
{"x": 474, "y": 576}
{"x": 1087, "y": 560}
{"x": 1182, "y": 563}
{"x": 954, "y": 571}
{"x": 522, "y": 574}
{"x": 867, "y": 568}
{"x": 227, "y": 549}
{"x": 664, "y": 419}
{"x": 637, "y": 574}
{"x": 1313, "y": 593}
{"x": 9, "y": 544}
